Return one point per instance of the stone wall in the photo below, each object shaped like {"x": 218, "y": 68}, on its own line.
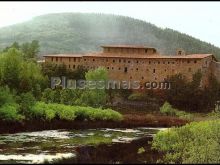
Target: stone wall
{"x": 216, "y": 70}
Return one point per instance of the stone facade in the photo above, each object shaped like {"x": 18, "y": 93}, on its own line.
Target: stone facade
{"x": 141, "y": 63}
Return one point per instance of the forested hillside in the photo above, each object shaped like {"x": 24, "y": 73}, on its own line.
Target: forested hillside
{"x": 80, "y": 33}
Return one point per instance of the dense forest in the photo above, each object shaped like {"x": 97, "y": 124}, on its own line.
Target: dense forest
{"x": 80, "y": 33}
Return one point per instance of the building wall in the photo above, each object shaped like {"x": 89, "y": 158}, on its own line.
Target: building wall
{"x": 142, "y": 69}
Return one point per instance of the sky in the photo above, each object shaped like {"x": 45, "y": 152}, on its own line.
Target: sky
{"x": 198, "y": 19}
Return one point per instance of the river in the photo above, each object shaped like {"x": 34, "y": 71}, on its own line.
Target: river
{"x": 52, "y": 146}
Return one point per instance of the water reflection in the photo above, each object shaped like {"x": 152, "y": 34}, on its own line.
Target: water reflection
{"x": 53, "y": 145}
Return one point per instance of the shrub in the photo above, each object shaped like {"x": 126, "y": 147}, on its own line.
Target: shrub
{"x": 5, "y": 96}
{"x": 167, "y": 109}
{"x": 197, "y": 142}
{"x": 9, "y": 112}
{"x": 65, "y": 112}
{"x": 26, "y": 102}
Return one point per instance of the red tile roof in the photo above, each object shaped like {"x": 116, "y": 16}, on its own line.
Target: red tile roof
{"x": 154, "y": 56}
{"x": 63, "y": 55}
{"x": 147, "y": 56}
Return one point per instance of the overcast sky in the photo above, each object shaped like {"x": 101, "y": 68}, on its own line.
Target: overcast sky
{"x": 198, "y": 19}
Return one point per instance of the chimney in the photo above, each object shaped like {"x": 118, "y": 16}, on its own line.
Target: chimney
{"x": 180, "y": 52}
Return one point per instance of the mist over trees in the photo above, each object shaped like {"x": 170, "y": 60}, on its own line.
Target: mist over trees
{"x": 81, "y": 33}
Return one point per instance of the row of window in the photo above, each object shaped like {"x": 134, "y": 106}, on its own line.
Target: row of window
{"x": 124, "y": 60}
{"x": 127, "y": 50}
{"x": 137, "y": 61}
{"x": 125, "y": 68}
{"x": 57, "y": 59}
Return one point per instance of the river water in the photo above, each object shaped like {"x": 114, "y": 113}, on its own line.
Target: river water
{"x": 53, "y": 145}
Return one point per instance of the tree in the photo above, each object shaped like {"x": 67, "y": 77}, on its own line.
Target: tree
{"x": 30, "y": 50}
{"x": 19, "y": 74}
{"x": 97, "y": 96}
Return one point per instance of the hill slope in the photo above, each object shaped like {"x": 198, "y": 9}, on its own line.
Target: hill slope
{"x": 77, "y": 32}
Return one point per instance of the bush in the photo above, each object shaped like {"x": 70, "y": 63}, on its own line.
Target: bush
{"x": 65, "y": 112}
{"x": 5, "y": 96}
{"x": 167, "y": 109}
{"x": 197, "y": 142}
{"x": 26, "y": 102}
{"x": 9, "y": 112}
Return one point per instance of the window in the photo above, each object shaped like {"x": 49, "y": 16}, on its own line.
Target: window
{"x": 113, "y": 60}
{"x": 93, "y": 59}
{"x": 149, "y": 62}
{"x": 112, "y": 68}
{"x": 119, "y": 60}
{"x": 74, "y": 59}
{"x": 69, "y": 66}
{"x": 107, "y": 67}
{"x": 165, "y": 70}
{"x": 84, "y": 59}
{"x": 189, "y": 69}
{"x": 74, "y": 66}
{"x": 130, "y": 77}
{"x": 195, "y": 61}
{"x": 168, "y": 62}
{"x": 136, "y": 69}
{"x": 106, "y": 60}
{"x": 188, "y": 61}
{"x": 119, "y": 68}
{"x": 137, "y": 61}
{"x": 154, "y": 70}
{"x": 56, "y": 59}
{"x": 125, "y": 69}
{"x": 142, "y": 77}
{"x": 129, "y": 61}
{"x": 145, "y": 50}
{"x": 173, "y": 62}
{"x": 158, "y": 62}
